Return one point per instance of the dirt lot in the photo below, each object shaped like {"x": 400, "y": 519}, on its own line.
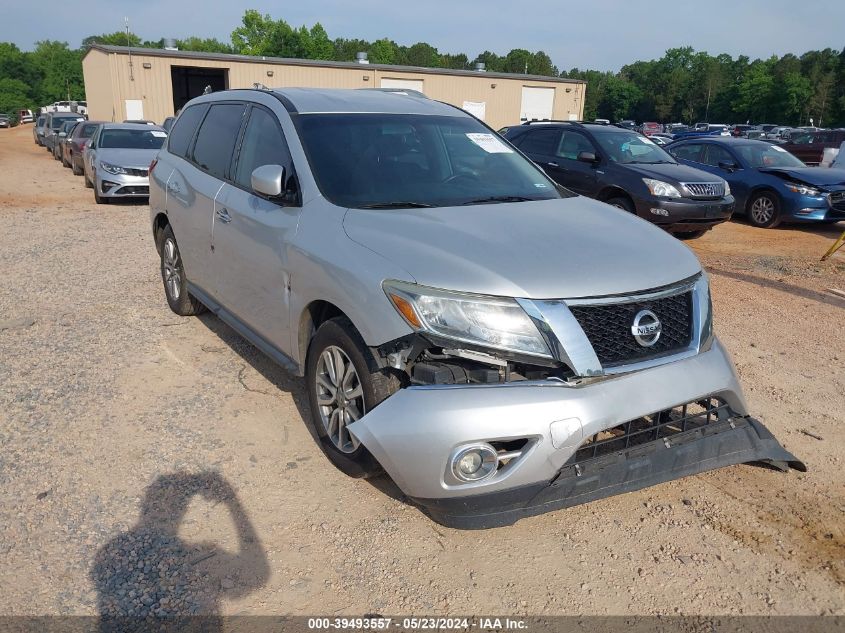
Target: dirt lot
{"x": 152, "y": 462}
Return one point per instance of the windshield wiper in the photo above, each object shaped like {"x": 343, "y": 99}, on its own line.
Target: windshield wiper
{"x": 396, "y": 205}
{"x": 499, "y": 199}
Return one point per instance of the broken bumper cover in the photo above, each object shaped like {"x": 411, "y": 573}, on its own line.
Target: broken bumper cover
{"x": 415, "y": 433}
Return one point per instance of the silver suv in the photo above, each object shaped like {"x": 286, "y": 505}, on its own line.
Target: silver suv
{"x": 498, "y": 345}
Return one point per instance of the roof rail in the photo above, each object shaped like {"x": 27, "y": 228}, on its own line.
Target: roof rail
{"x": 532, "y": 121}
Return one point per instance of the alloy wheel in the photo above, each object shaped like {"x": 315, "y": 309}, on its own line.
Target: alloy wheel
{"x": 763, "y": 210}
{"x": 340, "y": 397}
{"x": 172, "y": 269}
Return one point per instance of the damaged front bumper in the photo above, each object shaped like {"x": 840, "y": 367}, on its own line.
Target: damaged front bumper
{"x": 565, "y": 444}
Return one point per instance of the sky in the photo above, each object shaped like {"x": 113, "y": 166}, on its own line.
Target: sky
{"x": 596, "y": 34}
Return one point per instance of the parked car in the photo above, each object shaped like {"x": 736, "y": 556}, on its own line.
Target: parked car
{"x": 168, "y": 123}
{"x": 61, "y": 137}
{"x": 650, "y": 127}
{"x": 767, "y": 127}
{"x": 777, "y": 133}
{"x": 741, "y": 129}
{"x": 75, "y": 147}
{"x": 117, "y": 159}
{"x": 53, "y": 123}
{"x": 661, "y": 139}
{"x": 25, "y": 116}
{"x": 446, "y": 302}
{"x": 629, "y": 171}
{"x": 141, "y": 121}
{"x": 5, "y": 120}
{"x": 706, "y": 129}
{"x": 38, "y": 129}
{"x": 627, "y": 124}
{"x": 816, "y": 148}
{"x": 770, "y": 184}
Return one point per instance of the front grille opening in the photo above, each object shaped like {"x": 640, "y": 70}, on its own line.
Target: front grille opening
{"x": 652, "y": 428}
{"x": 608, "y": 327}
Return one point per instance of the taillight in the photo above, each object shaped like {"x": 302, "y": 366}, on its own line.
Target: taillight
{"x": 152, "y": 165}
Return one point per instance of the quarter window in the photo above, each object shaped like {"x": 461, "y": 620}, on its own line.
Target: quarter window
{"x": 216, "y": 138}
{"x": 183, "y": 131}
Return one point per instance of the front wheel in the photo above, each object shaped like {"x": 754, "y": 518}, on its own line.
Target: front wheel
{"x": 622, "y": 203}
{"x": 690, "y": 235}
{"x": 764, "y": 210}
{"x": 344, "y": 383}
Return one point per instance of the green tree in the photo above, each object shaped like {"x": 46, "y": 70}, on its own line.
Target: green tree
{"x": 14, "y": 95}
{"x": 254, "y": 35}
{"x": 118, "y": 38}
{"x": 319, "y": 44}
{"x": 205, "y": 45}
{"x": 383, "y": 51}
{"x": 61, "y": 70}
{"x": 422, "y": 54}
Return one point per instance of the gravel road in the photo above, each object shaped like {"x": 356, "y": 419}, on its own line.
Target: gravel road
{"x": 157, "y": 464}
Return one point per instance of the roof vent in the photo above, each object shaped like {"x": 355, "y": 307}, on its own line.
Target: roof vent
{"x": 480, "y": 67}
{"x": 170, "y": 44}
{"x": 361, "y": 58}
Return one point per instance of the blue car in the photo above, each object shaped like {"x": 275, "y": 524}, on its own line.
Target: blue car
{"x": 770, "y": 185}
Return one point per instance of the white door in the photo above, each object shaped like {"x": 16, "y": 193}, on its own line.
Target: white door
{"x": 134, "y": 109}
{"x": 404, "y": 84}
{"x": 537, "y": 103}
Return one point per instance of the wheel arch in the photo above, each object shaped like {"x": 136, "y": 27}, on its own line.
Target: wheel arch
{"x": 159, "y": 223}
{"x": 758, "y": 189}
{"x": 312, "y": 317}
{"x": 614, "y": 191}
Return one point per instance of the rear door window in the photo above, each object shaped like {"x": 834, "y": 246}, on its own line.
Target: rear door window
{"x": 183, "y": 131}
{"x": 542, "y": 142}
{"x": 216, "y": 138}
{"x": 572, "y": 144}
{"x": 715, "y": 155}
{"x": 687, "y": 152}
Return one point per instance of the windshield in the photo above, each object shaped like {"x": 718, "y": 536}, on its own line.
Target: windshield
{"x": 132, "y": 139}
{"x": 41, "y": 121}
{"x": 627, "y": 148}
{"x": 405, "y": 160}
{"x": 56, "y": 122}
{"x": 765, "y": 155}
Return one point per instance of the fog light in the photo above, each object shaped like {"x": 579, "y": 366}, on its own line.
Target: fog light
{"x": 474, "y": 463}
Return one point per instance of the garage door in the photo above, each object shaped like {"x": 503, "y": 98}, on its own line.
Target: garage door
{"x": 404, "y": 84}
{"x": 537, "y": 103}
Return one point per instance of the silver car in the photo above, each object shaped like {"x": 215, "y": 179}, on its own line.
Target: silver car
{"x": 117, "y": 159}
{"x": 497, "y": 344}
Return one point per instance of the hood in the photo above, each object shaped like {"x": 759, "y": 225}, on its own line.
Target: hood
{"x": 549, "y": 249}
{"x": 137, "y": 158}
{"x": 672, "y": 173}
{"x": 819, "y": 176}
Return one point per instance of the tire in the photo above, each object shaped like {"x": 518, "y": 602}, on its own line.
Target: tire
{"x": 64, "y": 161}
{"x": 621, "y": 203}
{"x": 98, "y": 198}
{"x": 173, "y": 277}
{"x": 337, "y": 341}
{"x": 87, "y": 182}
{"x": 690, "y": 235}
{"x": 763, "y": 210}
{"x": 77, "y": 171}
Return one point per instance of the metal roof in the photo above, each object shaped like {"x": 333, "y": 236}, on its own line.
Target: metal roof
{"x": 285, "y": 61}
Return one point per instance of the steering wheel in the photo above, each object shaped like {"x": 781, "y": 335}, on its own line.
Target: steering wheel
{"x": 456, "y": 177}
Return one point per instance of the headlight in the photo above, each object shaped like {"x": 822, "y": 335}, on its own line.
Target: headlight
{"x": 727, "y": 188}
{"x": 493, "y": 322}
{"x": 112, "y": 169}
{"x": 803, "y": 190}
{"x": 661, "y": 189}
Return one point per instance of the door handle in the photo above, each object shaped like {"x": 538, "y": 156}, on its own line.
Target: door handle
{"x": 224, "y": 216}
{"x": 552, "y": 164}
{"x": 173, "y": 187}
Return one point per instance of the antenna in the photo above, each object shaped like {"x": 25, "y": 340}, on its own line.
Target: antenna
{"x": 129, "y": 46}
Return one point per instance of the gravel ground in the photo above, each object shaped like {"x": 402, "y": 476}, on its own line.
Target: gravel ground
{"x": 154, "y": 464}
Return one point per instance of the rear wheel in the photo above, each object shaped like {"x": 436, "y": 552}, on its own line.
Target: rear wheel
{"x": 344, "y": 383}
{"x": 173, "y": 276}
{"x": 77, "y": 171}
{"x": 764, "y": 210}
{"x": 622, "y": 203}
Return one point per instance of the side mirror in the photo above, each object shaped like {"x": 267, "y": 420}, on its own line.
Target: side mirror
{"x": 728, "y": 165}
{"x": 267, "y": 180}
{"x": 587, "y": 157}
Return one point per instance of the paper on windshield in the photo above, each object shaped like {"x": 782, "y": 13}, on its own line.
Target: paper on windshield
{"x": 489, "y": 143}
{"x": 646, "y": 139}
{"x": 780, "y": 149}
{"x": 158, "y": 133}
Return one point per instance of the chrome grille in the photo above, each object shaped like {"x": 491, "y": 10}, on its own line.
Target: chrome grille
{"x": 705, "y": 189}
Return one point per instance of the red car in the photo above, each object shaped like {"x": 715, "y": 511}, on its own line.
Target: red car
{"x": 812, "y": 146}
{"x": 75, "y": 147}
{"x": 649, "y": 128}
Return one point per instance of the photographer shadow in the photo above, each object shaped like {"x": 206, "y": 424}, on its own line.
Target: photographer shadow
{"x": 149, "y": 573}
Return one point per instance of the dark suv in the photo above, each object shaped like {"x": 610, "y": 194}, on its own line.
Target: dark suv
{"x": 629, "y": 171}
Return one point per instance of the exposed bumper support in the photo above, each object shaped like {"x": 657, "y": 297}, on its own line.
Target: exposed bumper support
{"x": 740, "y": 441}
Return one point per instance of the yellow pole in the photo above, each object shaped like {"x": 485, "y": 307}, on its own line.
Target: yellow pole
{"x": 839, "y": 243}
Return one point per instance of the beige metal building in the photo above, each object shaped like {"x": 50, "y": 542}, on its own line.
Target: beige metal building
{"x": 144, "y": 83}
